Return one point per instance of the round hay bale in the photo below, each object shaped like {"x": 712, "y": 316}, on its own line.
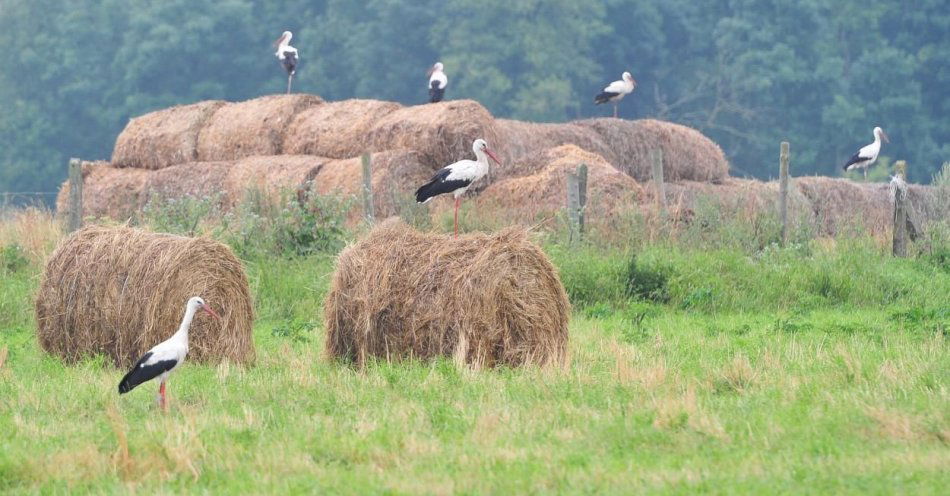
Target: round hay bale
{"x": 336, "y": 129}
{"x": 744, "y": 199}
{"x": 543, "y": 193}
{"x": 441, "y": 133}
{"x": 163, "y": 138}
{"x": 199, "y": 180}
{"x": 688, "y": 155}
{"x": 254, "y": 127}
{"x": 484, "y": 299}
{"x": 108, "y": 192}
{"x": 842, "y": 205}
{"x": 119, "y": 291}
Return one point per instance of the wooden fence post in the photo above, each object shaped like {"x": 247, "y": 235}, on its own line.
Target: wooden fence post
{"x": 783, "y": 190}
{"x": 899, "y": 184}
{"x": 573, "y": 206}
{"x": 581, "y": 198}
{"x": 657, "y": 166}
{"x": 75, "y": 195}
{"x": 368, "y": 208}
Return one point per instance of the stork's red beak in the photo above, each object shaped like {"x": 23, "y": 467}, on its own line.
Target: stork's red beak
{"x": 430, "y": 71}
{"x": 884, "y": 135}
{"x": 278, "y": 40}
{"x": 493, "y": 157}
{"x": 211, "y": 312}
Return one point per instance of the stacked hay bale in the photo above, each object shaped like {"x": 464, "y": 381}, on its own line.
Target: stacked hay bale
{"x": 108, "y": 191}
{"x": 688, "y": 155}
{"x": 118, "y": 291}
{"x": 543, "y": 191}
{"x": 336, "y": 129}
{"x": 486, "y": 300}
{"x": 840, "y": 205}
{"x": 164, "y": 137}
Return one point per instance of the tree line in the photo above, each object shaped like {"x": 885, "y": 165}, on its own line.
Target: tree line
{"x": 748, "y": 73}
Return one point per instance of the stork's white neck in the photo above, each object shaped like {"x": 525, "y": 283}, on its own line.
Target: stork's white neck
{"x": 182, "y": 333}
{"x": 481, "y": 157}
{"x": 877, "y": 136}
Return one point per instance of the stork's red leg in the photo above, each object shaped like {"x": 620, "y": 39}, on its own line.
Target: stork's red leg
{"x": 457, "y": 199}
{"x": 161, "y": 391}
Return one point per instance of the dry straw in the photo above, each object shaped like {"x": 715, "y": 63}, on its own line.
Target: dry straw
{"x": 119, "y": 291}
{"x": 484, "y": 299}
{"x": 108, "y": 192}
{"x": 163, "y": 138}
{"x": 688, "y": 155}
{"x": 253, "y": 127}
{"x": 543, "y": 193}
{"x": 336, "y": 129}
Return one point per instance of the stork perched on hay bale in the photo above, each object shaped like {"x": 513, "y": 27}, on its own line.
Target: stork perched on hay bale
{"x": 615, "y": 91}
{"x": 457, "y": 177}
{"x": 437, "y": 83}
{"x": 287, "y": 55}
{"x": 166, "y": 356}
{"x": 867, "y": 155}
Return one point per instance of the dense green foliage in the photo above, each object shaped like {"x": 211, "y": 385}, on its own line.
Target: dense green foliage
{"x": 749, "y": 73}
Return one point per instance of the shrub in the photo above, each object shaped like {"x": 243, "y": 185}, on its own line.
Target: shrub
{"x": 646, "y": 283}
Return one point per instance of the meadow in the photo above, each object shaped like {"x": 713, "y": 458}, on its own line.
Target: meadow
{"x": 709, "y": 360}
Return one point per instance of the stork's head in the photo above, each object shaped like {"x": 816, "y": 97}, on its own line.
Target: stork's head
{"x": 197, "y": 303}
{"x": 629, "y": 78}
{"x": 435, "y": 68}
{"x": 284, "y": 39}
{"x": 879, "y": 133}
{"x": 480, "y": 146}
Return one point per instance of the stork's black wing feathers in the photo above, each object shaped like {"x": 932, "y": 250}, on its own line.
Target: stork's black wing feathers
{"x": 604, "y": 97}
{"x": 142, "y": 373}
{"x": 856, "y": 158}
{"x": 439, "y": 185}
{"x": 435, "y": 93}
{"x": 289, "y": 62}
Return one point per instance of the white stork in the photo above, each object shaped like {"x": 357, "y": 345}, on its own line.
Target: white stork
{"x": 287, "y": 55}
{"x": 166, "y": 356}
{"x": 867, "y": 155}
{"x": 457, "y": 177}
{"x": 437, "y": 83}
{"x": 615, "y": 91}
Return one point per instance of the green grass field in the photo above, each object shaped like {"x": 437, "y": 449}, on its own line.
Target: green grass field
{"x": 820, "y": 368}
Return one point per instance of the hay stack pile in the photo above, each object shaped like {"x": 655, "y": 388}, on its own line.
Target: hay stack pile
{"x": 163, "y": 138}
{"x": 544, "y": 192}
{"x": 486, "y": 300}
{"x": 119, "y": 291}
{"x": 688, "y": 155}
{"x": 107, "y": 191}
{"x": 336, "y": 129}
{"x": 840, "y": 204}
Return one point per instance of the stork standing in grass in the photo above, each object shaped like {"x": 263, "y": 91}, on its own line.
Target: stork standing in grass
{"x": 166, "y": 356}
{"x": 437, "y": 83}
{"x": 287, "y": 55}
{"x": 615, "y": 91}
{"x": 457, "y": 177}
{"x": 867, "y": 155}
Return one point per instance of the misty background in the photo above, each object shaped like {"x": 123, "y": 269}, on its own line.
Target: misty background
{"x": 747, "y": 73}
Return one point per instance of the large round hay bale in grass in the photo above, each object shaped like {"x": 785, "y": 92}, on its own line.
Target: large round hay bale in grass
{"x": 119, "y": 291}
{"x": 484, "y": 299}
{"x": 164, "y": 137}
{"x": 253, "y": 127}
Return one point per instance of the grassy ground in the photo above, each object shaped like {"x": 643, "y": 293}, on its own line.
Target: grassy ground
{"x": 822, "y": 368}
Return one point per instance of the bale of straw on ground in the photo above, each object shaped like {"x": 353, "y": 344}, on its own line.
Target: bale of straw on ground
{"x": 119, "y": 291}
{"x": 164, "y": 137}
{"x": 688, "y": 155}
{"x": 483, "y": 299}
{"x": 841, "y": 205}
{"x": 396, "y": 176}
{"x": 108, "y": 192}
{"x": 336, "y": 129}
{"x": 441, "y": 133}
{"x": 254, "y": 127}
{"x": 745, "y": 199}
{"x": 541, "y": 194}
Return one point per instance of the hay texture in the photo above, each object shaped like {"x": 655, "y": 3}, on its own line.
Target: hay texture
{"x": 396, "y": 176}
{"x": 486, "y": 300}
{"x": 542, "y": 194}
{"x": 841, "y": 205}
{"x": 119, "y": 291}
{"x": 254, "y": 127}
{"x": 441, "y": 133}
{"x": 163, "y": 138}
{"x": 688, "y": 155}
{"x": 745, "y": 199}
{"x": 336, "y": 129}
{"x": 108, "y": 192}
